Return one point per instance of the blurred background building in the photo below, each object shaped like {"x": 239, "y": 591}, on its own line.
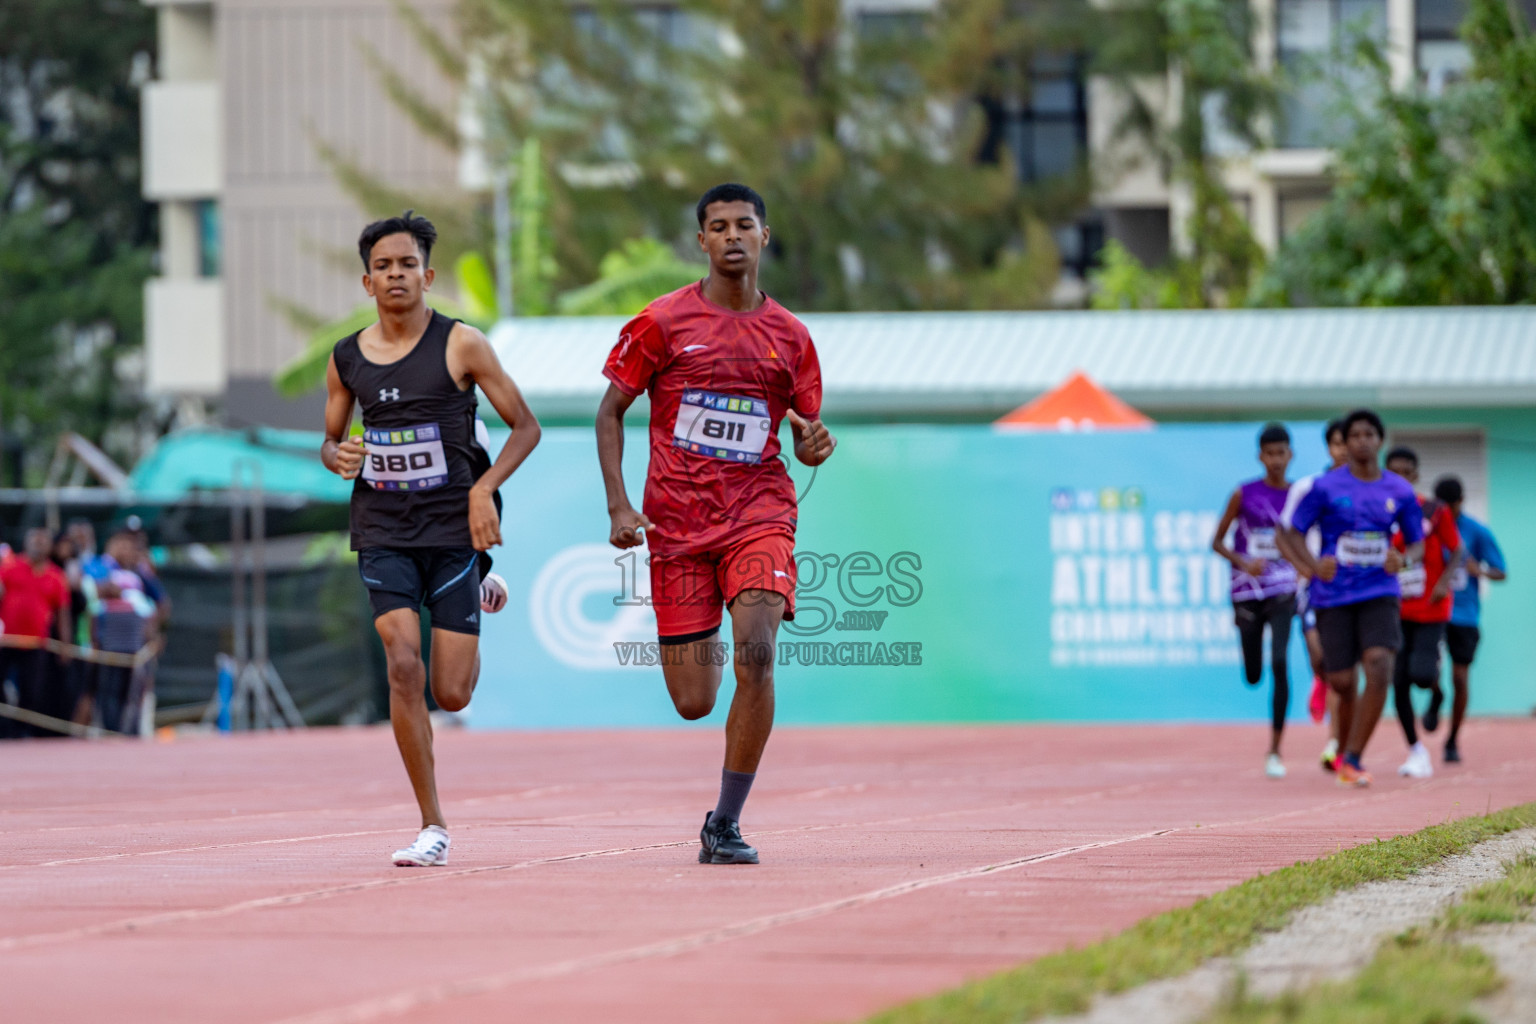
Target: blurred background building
{"x": 252, "y": 218}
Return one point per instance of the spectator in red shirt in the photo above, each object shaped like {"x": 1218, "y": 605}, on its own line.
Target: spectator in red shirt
{"x": 34, "y": 605}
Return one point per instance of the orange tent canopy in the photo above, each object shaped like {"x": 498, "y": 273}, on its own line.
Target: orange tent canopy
{"x": 1077, "y": 404}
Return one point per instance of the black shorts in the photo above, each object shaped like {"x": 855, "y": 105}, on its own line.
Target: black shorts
{"x": 1348, "y": 630}
{"x": 1419, "y": 660}
{"x": 446, "y": 580}
{"x": 1461, "y": 642}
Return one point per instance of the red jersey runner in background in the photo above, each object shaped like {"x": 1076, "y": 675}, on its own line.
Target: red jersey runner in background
{"x": 720, "y": 383}
{"x": 1426, "y": 608}
{"x": 1441, "y": 539}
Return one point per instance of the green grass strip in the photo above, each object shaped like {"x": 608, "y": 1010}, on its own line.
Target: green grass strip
{"x": 1506, "y": 901}
{"x": 1180, "y": 940}
{"x": 1413, "y": 979}
{"x": 1423, "y": 976}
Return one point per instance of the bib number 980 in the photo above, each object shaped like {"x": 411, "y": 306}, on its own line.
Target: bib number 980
{"x": 411, "y": 459}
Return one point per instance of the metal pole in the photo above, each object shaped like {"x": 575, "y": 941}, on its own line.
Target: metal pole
{"x": 501, "y": 215}
{"x": 258, "y": 567}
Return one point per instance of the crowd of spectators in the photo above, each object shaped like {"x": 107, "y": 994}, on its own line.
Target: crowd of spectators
{"x": 89, "y": 603}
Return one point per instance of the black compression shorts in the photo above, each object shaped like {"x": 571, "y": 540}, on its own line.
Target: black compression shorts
{"x": 446, "y": 580}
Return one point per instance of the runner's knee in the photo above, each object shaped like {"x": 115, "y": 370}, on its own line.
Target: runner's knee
{"x": 404, "y": 662}
{"x": 1377, "y": 662}
{"x": 693, "y": 706}
{"x": 453, "y": 697}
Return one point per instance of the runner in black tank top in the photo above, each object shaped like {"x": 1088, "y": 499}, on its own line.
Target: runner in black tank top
{"x": 425, "y": 505}
{"x": 423, "y": 455}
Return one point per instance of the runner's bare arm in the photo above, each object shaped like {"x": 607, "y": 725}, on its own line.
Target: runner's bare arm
{"x": 1294, "y": 545}
{"x": 1288, "y": 546}
{"x": 1251, "y": 566}
{"x": 341, "y": 454}
{"x": 624, "y": 521}
{"x": 813, "y": 442}
{"x": 1442, "y": 588}
{"x": 471, "y": 358}
{"x": 1396, "y": 560}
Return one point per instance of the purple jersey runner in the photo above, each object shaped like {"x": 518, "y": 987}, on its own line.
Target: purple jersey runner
{"x": 1355, "y": 518}
{"x": 1258, "y": 516}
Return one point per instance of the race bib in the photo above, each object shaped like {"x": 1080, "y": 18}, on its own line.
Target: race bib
{"x": 411, "y": 459}
{"x": 1364, "y": 548}
{"x": 722, "y": 426}
{"x": 1261, "y": 544}
{"x": 1413, "y": 580}
{"x": 1460, "y": 579}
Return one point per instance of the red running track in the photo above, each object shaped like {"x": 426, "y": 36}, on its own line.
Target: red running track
{"x": 247, "y": 879}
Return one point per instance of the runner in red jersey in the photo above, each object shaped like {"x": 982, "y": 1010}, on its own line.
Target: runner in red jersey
{"x": 724, "y": 364}
{"x": 1427, "y": 602}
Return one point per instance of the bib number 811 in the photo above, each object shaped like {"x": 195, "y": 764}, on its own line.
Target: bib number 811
{"x": 721, "y": 430}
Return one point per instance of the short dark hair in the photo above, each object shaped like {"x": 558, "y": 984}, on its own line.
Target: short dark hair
{"x": 1405, "y": 453}
{"x": 1274, "y": 433}
{"x": 731, "y": 192}
{"x": 1367, "y": 416}
{"x": 1448, "y": 489}
{"x": 407, "y": 223}
{"x": 1335, "y": 426}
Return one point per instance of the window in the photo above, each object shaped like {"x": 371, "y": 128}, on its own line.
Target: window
{"x": 1045, "y": 132}
{"x": 209, "y": 239}
{"x": 1296, "y": 207}
{"x": 1308, "y": 32}
{"x": 1439, "y": 54}
{"x": 1462, "y": 452}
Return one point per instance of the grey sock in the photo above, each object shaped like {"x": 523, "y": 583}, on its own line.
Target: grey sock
{"x": 734, "y": 787}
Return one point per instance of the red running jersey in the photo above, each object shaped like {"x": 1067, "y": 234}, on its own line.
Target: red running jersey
{"x": 1441, "y": 539}
{"x": 720, "y": 382}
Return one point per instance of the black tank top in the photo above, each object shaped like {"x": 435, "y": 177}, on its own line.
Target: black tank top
{"x": 422, "y": 452}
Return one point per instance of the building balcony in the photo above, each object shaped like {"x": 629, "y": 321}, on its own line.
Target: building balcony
{"x": 184, "y": 336}
{"x": 183, "y": 141}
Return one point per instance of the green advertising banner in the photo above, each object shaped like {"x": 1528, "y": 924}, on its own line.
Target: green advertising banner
{"x": 947, "y": 573}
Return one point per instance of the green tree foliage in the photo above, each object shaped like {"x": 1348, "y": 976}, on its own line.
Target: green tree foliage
{"x": 1223, "y": 100}
{"x": 629, "y": 278}
{"x": 861, "y": 135}
{"x": 75, "y": 236}
{"x": 1434, "y": 200}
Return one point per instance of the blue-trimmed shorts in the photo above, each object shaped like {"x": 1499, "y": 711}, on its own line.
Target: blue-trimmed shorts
{"x": 446, "y": 580}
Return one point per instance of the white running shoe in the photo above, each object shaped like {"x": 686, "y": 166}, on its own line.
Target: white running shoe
{"x": 493, "y": 593}
{"x": 429, "y": 850}
{"x": 1274, "y": 767}
{"x": 1418, "y": 765}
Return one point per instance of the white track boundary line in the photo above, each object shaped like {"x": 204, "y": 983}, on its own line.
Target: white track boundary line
{"x": 403, "y": 1002}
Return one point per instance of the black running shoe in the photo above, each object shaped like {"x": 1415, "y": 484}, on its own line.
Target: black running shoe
{"x": 1432, "y": 713}
{"x": 1452, "y": 755}
{"x": 722, "y": 843}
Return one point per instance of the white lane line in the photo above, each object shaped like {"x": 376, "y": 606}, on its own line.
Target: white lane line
{"x": 124, "y": 925}
{"x": 404, "y": 1002}
{"x": 134, "y": 924}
